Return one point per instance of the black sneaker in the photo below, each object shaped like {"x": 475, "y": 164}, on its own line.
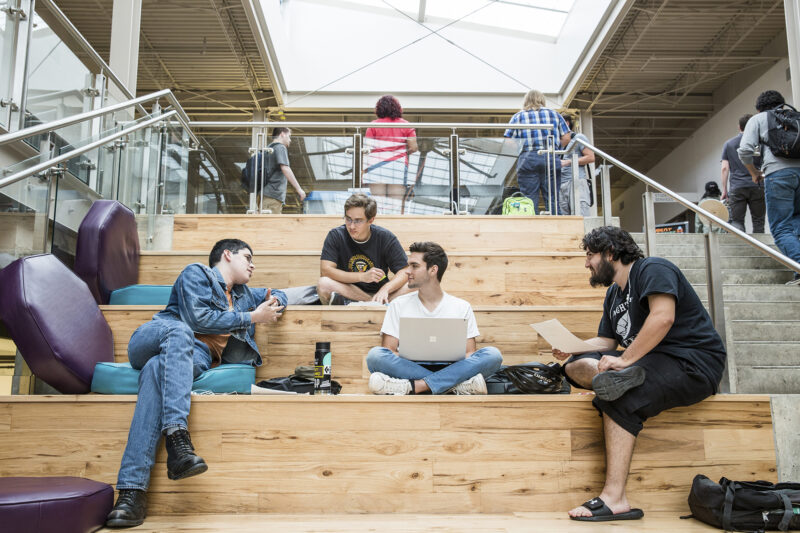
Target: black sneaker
{"x": 338, "y": 299}
{"x": 612, "y": 384}
{"x": 795, "y": 280}
{"x": 181, "y": 459}
{"x": 130, "y": 509}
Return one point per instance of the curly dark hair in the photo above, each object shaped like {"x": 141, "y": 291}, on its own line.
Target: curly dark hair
{"x": 388, "y": 107}
{"x": 769, "y": 100}
{"x": 616, "y": 241}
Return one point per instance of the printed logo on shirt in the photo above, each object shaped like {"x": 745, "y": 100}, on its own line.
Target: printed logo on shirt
{"x": 621, "y": 316}
{"x": 359, "y": 263}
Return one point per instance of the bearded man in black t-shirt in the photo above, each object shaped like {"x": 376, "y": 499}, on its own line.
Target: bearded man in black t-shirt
{"x": 357, "y": 257}
{"x": 672, "y": 355}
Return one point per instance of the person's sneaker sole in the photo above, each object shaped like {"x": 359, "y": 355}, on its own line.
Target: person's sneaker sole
{"x": 610, "y": 385}
{"x": 193, "y": 470}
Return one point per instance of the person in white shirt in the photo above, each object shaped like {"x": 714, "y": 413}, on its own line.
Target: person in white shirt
{"x": 392, "y": 374}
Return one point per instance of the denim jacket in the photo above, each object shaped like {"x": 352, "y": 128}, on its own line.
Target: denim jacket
{"x": 198, "y": 299}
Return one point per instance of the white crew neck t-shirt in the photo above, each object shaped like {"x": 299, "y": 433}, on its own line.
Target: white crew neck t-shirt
{"x": 409, "y": 305}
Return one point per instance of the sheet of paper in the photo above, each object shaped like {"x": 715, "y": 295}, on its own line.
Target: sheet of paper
{"x": 255, "y": 389}
{"x": 561, "y": 338}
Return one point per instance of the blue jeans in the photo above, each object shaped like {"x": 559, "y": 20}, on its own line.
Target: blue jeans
{"x": 169, "y": 358}
{"x": 485, "y": 361}
{"x": 782, "y": 192}
{"x": 532, "y": 177}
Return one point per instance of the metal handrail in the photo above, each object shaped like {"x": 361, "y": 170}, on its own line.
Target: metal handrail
{"x": 74, "y": 119}
{"x": 420, "y": 125}
{"x": 22, "y": 174}
{"x": 697, "y": 209}
{"x": 84, "y": 44}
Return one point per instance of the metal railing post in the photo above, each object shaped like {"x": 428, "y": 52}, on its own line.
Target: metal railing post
{"x": 648, "y": 206}
{"x": 716, "y": 303}
{"x": 606, "y": 188}
{"x": 455, "y": 180}
{"x": 576, "y": 201}
{"x": 23, "y": 101}
{"x": 358, "y": 158}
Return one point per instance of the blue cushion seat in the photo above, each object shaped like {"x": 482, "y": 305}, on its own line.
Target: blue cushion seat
{"x": 141, "y": 295}
{"x": 122, "y": 378}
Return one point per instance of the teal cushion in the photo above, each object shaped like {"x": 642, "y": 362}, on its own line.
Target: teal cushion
{"x": 121, "y": 378}
{"x": 141, "y": 295}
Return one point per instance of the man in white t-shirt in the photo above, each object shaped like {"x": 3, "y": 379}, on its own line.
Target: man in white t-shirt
{"x": 391, "y": 374}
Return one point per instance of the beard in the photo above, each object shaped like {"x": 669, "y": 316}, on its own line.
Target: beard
{"x": 604, "y": 275}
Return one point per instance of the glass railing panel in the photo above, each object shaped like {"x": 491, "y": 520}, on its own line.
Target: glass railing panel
{"x": 22, "y": 219}
{"x": 136, "y": 165}
{"x": 58, "y": 82}
{"x": 409, "y": 178}
{"x": 72, "y": 201}
{"x": 486, "y": 174}
{"x": 172, "y": 190}
{"x": 323, "y": 166}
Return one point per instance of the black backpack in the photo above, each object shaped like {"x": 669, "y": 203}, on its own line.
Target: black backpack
{"x": 261, "y": 161}
{"x": 783, "y": 131}
{"x": 745, "y": 505}
{"x": 528, "y": 378}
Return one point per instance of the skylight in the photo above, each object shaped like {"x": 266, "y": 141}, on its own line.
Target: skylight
{"x": 432, "y": 53}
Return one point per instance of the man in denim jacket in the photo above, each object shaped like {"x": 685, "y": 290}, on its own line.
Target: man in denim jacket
{"x": 210, "y": 319}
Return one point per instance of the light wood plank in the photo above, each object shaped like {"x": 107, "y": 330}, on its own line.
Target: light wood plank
{"x": 367, "y": 454}
{"x": 353, "y": 331}
{"x": 481, "y": 279}
{"x": 454, "y": 233}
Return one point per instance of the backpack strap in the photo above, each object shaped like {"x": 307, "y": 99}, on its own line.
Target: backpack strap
{"x": 787, "y": 511}
{"x": 730, "y": 492}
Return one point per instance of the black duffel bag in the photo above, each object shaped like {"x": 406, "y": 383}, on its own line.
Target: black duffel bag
{"x": 745, "y": 505}
{"x": 295, "y": 383}
{"x": 528, "y": 378}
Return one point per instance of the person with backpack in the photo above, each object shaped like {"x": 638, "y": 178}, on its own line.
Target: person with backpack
{"x": 531, "y": 165}
{"x": 775, "y": 129}
{"x": 276, "y": 173}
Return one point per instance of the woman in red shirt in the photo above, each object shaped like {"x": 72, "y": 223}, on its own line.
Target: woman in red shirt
{"x": 386, "y": 172}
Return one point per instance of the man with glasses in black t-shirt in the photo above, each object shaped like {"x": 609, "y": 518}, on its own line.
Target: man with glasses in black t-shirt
{"x": 357, "y": 257}
{"x": 672, "y": 355}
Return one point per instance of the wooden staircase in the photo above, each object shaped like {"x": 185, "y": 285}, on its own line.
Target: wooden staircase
{"x": 361, "y": 454}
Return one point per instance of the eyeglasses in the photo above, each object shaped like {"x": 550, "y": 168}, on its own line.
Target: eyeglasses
{"x": 354, "y": 222}
{"x": 247, "y": 257}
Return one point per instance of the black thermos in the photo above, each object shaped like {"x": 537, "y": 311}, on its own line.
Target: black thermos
{"x": 322, "y": 368}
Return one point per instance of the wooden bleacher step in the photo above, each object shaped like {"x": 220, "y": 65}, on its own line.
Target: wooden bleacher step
{"x": 482, "y": 278}
{"x": 353, "y": 331}
{"x": 454, "y": 233}
{"x": 376, "y": 454}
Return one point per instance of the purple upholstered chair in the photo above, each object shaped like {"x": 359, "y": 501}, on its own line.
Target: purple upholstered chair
{"x": 54, "y": 321}
{"x": 107, "y": 255}
{"x": 53, "y": 504}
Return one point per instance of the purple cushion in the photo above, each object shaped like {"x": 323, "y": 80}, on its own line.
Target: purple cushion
{"x": 107, "y": 254}
{"x": 54, "y": 321}
{"x": 57, "y": 504}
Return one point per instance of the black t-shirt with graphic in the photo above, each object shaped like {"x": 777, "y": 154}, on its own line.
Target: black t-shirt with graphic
{"x": 382, "y": 250}
{"x": 692, "y": 336}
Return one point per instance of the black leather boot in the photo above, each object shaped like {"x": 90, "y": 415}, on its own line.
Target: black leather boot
{"x": 130, "y": 509}
{"x": 181, "y": 459}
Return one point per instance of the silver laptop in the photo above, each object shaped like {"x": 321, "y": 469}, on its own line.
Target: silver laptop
{"x": 433, "y": 339}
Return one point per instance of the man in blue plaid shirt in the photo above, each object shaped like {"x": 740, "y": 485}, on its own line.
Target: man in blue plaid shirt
{"x": 531, "y": 166}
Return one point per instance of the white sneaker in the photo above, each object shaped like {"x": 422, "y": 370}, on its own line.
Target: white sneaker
{"x": 474, "y": 385}
{"x": 382, "y": 384}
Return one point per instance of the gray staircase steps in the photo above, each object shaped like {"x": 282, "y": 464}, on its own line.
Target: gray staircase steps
{"x": 771, "y": 330}
{"x": 761, "y": 262}
{"x": 757, "y": 310}
{"x": 767, "y": 354}
{"x": 736, "y": 276}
